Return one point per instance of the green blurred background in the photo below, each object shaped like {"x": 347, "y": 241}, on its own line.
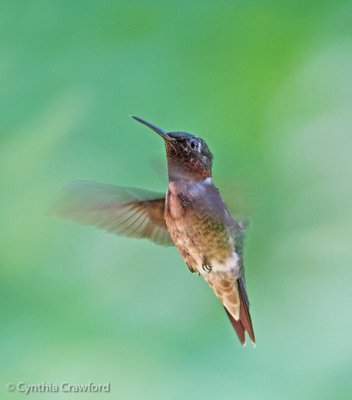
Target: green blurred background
{"x": 268, "y": 85}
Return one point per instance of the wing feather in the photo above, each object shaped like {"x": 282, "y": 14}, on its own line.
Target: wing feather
{"x": 120, "y": 210}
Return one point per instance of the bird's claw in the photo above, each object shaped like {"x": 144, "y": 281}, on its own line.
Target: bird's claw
{"x": 207, "y": 267}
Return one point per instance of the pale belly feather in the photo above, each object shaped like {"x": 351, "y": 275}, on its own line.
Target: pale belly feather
{"x": 200, "y": 239}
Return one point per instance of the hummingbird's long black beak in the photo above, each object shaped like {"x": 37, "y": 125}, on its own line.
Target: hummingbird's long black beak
{"x": 159, "y": 131}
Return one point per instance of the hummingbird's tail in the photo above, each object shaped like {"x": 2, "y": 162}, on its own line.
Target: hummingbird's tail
{"x": 244, "y": 323}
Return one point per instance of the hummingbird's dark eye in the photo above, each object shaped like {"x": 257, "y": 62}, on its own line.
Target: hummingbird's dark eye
{"x": 193, "y": 144}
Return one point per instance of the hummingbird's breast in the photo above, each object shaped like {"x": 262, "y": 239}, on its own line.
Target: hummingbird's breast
{"x": 200, "y": 225}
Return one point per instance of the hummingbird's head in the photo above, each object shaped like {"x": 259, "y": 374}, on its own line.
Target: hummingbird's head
{"x": 188, "y": 156}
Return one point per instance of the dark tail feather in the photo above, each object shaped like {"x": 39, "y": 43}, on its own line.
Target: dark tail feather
{"x": 245, "y": 316}
{"x": 239, "y": 328}
{"x": 244, "y": 323}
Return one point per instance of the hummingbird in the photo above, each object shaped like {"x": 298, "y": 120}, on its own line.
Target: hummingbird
{"x": 191, "y": 216}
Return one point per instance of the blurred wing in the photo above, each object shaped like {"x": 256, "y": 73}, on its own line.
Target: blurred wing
{"x": 239, "y": 230}
{"x": 123, "y": 211}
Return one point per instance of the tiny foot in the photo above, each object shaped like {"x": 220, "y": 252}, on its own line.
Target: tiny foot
{"x": 207, "y": 267}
